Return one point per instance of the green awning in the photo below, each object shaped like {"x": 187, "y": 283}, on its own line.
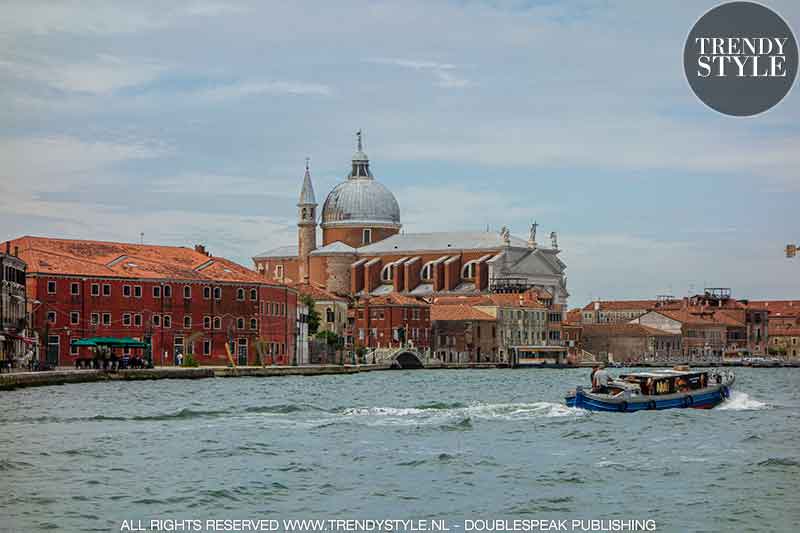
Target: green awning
{"x": 123, "y": 342}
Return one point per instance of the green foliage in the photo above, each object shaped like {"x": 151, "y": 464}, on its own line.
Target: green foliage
{"x": 330, "y": 338}
{"x": 313, "y": 314}
{"x": 190, "y": 361}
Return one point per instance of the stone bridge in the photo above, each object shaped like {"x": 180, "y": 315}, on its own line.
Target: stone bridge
{"x": 407, "y": 357}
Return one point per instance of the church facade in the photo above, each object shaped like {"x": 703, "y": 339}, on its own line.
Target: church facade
{"x": 365, "y": 253}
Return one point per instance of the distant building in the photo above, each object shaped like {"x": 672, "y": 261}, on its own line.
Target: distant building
{"x": 332, "y": 308}
{"x": 389, "y": 321}
{"x": 630, "y": 343}
{"x": 13, "y": 306}
{"x": 522, "y": 319}
{"x": 365, "y": 254}
{"x": 463, "y": 334}
{"x": 181, "y": 300}
{"x": 615, "y": 311}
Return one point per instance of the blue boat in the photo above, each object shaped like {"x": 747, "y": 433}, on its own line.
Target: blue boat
{"x": 679, "y": 388}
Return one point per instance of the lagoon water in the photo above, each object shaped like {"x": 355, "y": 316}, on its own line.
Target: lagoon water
{"x": 451, "y": 445}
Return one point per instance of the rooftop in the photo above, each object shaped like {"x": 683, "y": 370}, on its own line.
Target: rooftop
{"x": 458, "y": 312}
{"x": 281, "y": 251}
{"x": 127, "y": 260}
{"x": 441, "y": 241}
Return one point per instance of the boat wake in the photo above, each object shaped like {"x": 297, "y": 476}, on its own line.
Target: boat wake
{"x": 741, "y": 401}
{"x": 423, "y": 415}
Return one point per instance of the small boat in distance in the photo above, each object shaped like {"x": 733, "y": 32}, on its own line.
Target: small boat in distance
{"x": 678, "y": 388}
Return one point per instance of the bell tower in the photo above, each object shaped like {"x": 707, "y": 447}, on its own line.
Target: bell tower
{"x": 306, "y": 224}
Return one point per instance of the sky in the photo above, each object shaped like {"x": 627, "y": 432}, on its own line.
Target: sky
{"x": 190, "y": 122}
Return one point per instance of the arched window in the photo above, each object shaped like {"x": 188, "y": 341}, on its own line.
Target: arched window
{"x": 426, "y": 274}
{"x": 387, "y": 273}
{"x": 468, "y": 270}
{"x": 366, "y": 236}
{"x": 240, "y": 323}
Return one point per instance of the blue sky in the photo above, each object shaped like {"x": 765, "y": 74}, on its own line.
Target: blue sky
{"x": 191, "y": 123}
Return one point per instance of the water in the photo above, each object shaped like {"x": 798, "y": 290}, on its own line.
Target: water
{"x": 452, "y": 445}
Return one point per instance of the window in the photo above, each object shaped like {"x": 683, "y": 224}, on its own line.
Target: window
{"x": 51, "y": 317}
{"x": 137, "y": 291}
{"x": 73, "y": 350}
{"x": 126, "y": 319}
{"x": 206, "y": 322}
{"x": 167, "y": 321}
{"x": 187, "y": 292}
{"x": 366, "y": 236}
{"x": 387, "y": 272}
{"x": 240, "y": 323}
{"x": 279, "y": 271}
{"x": 74, "y": 317}
{"x": 156, "y": 291}
{"x": 74, "y": 289}
{"x": 137, "y": 320}
{"x": 468, "y": 271}
{"x": 95, "y": 319}
{"x": 207, "y": 293}
{"x": 187, "y": 321}
{"x": 95, "y": 289}
{"x": 218, "y": 293}
{"x": 217, "y": 322}
{"x": 51, "y": 287}
{"x": 253, "y": 324}
{"x": 106, "y": 319}
{"x": 106, "y": 289}
{"x": 416, "y": 313}
{"x": 254, "y": 294}
{"x": 206, "y": 347}
{"x": 240, "y": 294}
{"x": 426, "y": 274}
{"x": 126, "y": 291}
{"x": 167, "y": 291}
{"x": 156, "y": 320}
{"x": 329, "y": 316}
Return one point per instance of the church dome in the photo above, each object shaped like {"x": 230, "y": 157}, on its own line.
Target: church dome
{"x": 360, "y": 200}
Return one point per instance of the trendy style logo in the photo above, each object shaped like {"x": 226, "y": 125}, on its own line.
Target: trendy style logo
{"x": 740, "y": 58}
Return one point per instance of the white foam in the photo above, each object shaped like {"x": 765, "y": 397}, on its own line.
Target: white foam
{"x": 741, "y": 401}
{"x": 487, "y": 411}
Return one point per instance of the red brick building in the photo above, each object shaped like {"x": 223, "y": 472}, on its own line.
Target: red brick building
{"x": 160, "y": 294}
{"x": 464, "y": 334}
{"x": 389, "y": 321}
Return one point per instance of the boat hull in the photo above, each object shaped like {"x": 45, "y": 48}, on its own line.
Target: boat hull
{"x": 706, "y": 398}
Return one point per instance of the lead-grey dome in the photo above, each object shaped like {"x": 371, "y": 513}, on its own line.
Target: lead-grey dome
{"x": 360, "y": 200}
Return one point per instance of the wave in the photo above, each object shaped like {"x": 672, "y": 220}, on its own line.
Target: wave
{"x": 741, "y": 401}
{"x": 460, "y": 416}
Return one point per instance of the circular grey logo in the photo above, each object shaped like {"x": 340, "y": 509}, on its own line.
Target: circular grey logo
{"x": 740, "y": 58}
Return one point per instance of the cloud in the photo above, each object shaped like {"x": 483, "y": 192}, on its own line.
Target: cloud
{"x": 106, "y": 74}
{"x": 444, "y": 73}
{"x": 61, "y": 162}
{"x": 250, "y": 88}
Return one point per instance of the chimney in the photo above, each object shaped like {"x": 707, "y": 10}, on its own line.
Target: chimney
{"x": 201, "y": 249}
{"x": 8, "y": 247}
{"x": 596, "y": 306}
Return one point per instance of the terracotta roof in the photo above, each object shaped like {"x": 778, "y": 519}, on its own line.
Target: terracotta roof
{"x": 701, "y": 317}
{"x": 620, "y": 305}
{"x": 318, "y": 293}
{"x": 622, "y": 330}
{"x": 458, "y": 312}
{"x": 125, "y": 260}
{"x": 778, "y": 308}
{"x": 392, "y": 298}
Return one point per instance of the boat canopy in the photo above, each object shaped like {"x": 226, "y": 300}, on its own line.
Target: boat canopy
{"x": 112, "y": 342}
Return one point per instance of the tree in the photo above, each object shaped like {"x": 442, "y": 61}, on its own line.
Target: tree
{"x": 313, "y": 314}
